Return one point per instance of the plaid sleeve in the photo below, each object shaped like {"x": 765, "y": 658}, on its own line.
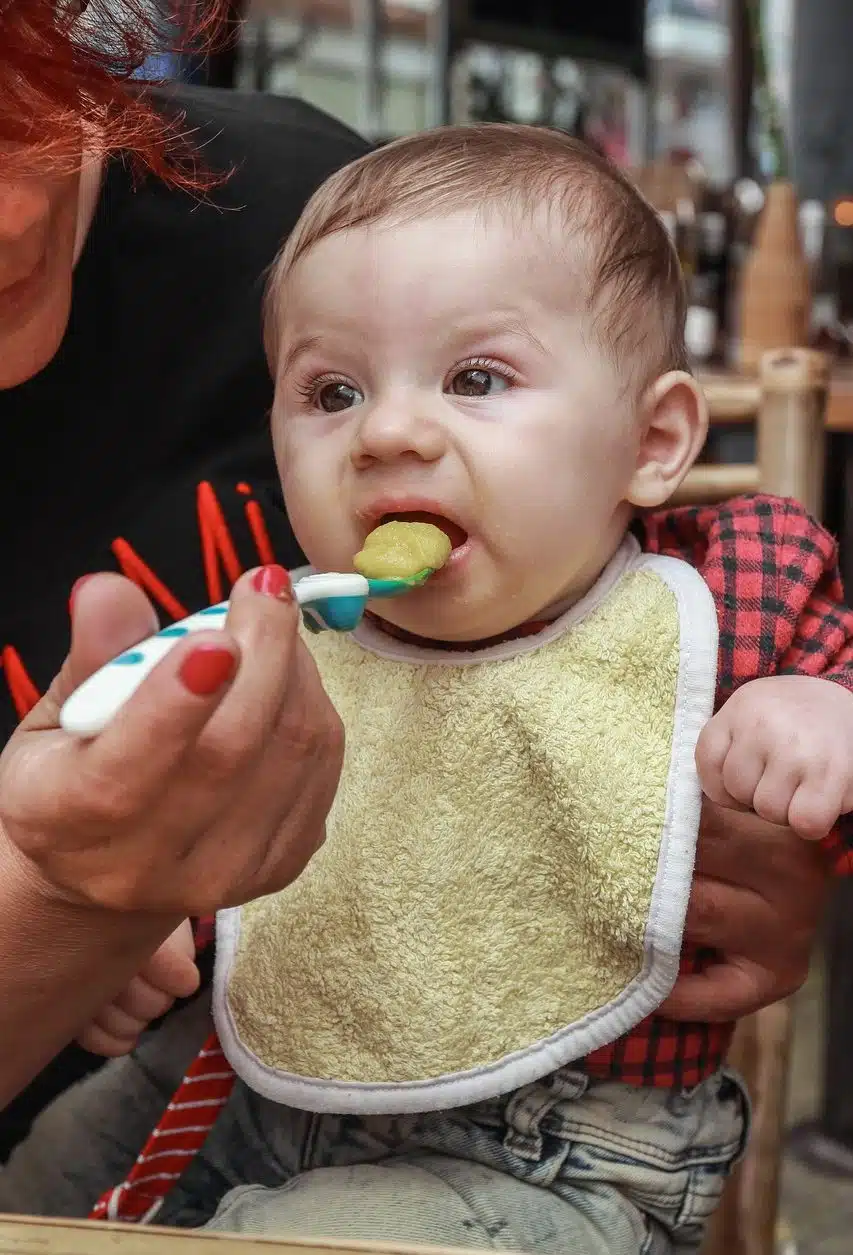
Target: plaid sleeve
{"x": 773, "y": 572}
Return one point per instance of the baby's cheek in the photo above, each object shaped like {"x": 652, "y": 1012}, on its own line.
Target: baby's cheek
{"x": 324, "y": 535}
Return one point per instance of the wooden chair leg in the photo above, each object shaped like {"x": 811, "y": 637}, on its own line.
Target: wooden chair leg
{"x": 745, "y": 1222}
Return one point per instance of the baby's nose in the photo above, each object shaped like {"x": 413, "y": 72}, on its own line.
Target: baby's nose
{"x": 388, "y": 432}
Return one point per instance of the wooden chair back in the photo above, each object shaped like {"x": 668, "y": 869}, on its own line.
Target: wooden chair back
{"x": 787, "y": 404}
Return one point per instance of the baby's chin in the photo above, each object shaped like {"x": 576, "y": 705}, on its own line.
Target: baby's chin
{"x": 451, "y": 625}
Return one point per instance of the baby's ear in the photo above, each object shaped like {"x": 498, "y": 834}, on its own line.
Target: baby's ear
{"x": 673, "y": 426}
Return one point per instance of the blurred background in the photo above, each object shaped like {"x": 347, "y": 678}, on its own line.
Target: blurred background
{"x": 659, "y": 85}
{"x": 735, "y": 117}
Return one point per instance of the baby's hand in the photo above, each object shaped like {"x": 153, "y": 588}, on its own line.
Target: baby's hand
{"x": 170, "y": 973}
{"x": 783, "y": 747}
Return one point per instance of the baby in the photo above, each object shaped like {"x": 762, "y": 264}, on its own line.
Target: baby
{"x": 445, "y": 1031}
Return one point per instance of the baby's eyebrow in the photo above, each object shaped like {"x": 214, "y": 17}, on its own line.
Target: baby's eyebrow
{"x": 501, "y": 325}
{"x": 304, "y": 344}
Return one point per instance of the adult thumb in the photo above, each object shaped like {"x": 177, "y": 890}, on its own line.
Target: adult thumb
{"x": 109, "y": 614}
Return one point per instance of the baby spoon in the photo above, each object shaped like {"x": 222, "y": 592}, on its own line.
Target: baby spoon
{"x": 331, "y": 601}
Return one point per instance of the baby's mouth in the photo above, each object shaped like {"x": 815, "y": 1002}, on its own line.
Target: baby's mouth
{"x": 454, "y": 533}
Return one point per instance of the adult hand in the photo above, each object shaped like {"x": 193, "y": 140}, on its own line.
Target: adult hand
{"x": 211, "y": 786}
{"x": 757, "y": 899}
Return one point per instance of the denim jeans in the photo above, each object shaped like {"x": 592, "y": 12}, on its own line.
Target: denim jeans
{"x": 565, "y": 1165}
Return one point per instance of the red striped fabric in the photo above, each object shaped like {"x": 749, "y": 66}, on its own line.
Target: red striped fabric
{"x": 181, "y": 1133}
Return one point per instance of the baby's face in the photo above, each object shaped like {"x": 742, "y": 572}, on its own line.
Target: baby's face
{"x": 447, "y": 370}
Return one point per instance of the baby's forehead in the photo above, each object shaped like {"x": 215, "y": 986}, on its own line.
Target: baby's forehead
{"x": 490, "y": 205}
{"x": 492, "y": 247}
{"x": 531, "y": 230}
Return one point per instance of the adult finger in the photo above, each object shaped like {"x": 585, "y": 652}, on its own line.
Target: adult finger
{"x": 197, "y": 701}
{"x": 728, "y": 918}
{"x": 264, "y": 619}
{"x": 744, "y": 850}
{"x": 109, "y": 615}
{"x": 723, "y": 992}
{"x": 291, "y": 787}
{"x": 125, "y": 768}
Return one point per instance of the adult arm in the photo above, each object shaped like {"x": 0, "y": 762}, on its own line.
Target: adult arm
{"x": 61, "y": 962}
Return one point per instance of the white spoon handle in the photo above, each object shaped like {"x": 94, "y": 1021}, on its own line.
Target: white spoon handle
{"x": 333, "y": 601}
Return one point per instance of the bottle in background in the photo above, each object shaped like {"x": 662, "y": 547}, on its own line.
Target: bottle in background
{"x": 775, "y": 293}
{"x": 745, "y": 205}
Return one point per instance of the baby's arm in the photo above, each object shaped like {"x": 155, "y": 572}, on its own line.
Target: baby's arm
{"x": 783, "y": 747}
{"x": 170, "y": 973}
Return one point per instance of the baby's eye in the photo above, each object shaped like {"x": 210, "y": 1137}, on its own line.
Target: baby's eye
{"x": 477, "y": 382}
{"x": 337, "y": 396}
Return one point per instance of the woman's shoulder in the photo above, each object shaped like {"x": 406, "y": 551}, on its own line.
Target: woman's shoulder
{"x": 267, "y": 145}
{"x": 272, "y": 153}
{"x": 248, "y": 111}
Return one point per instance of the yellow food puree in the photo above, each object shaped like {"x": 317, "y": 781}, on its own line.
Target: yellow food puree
{"x": 400, "y": 550}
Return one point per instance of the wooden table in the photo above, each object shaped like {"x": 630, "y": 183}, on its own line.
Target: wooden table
{"x": 25, "y": 1236}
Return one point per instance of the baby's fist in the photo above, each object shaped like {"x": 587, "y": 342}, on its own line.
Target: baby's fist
{"x": 170, "y": 973}
{"x": 783, "y": 747}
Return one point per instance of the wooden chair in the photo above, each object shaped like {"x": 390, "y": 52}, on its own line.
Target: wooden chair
{"x": 787, "y": 405}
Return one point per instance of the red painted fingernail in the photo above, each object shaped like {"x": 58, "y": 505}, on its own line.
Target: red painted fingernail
{"x": 273, "y": 581}
{"x": 78, "y": 584}
{"x": 206, "y": 669}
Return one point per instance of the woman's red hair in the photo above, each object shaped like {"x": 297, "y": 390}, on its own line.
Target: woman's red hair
{"x": 65, "y": 77}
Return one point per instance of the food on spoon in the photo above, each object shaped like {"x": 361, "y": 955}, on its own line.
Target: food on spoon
{"x": 401, "y": 550}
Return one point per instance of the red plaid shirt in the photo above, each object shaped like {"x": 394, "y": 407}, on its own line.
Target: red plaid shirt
{"x": 774, "y": 577}
{"x": 773, "y": 573}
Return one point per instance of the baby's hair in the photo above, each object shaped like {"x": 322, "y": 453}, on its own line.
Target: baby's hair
{"x": 635, "y": 290}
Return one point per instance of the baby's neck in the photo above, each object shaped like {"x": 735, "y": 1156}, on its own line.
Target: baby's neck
{"x": 529, "y": 628}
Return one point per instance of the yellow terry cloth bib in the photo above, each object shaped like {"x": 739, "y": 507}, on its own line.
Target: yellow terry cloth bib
{"x": 507, "y": 863}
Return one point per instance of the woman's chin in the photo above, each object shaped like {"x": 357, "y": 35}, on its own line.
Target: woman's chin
{"x": 29, "y": 348}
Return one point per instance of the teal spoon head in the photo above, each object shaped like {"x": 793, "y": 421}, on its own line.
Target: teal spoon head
{"x": 399, "y": 584}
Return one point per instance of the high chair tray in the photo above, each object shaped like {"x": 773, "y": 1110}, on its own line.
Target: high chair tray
{"x": 21, "y": 1235}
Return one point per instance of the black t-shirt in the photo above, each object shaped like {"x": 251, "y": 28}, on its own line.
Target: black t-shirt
{"x": 144, "y": 445}
{"x": 160, "y": 384}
